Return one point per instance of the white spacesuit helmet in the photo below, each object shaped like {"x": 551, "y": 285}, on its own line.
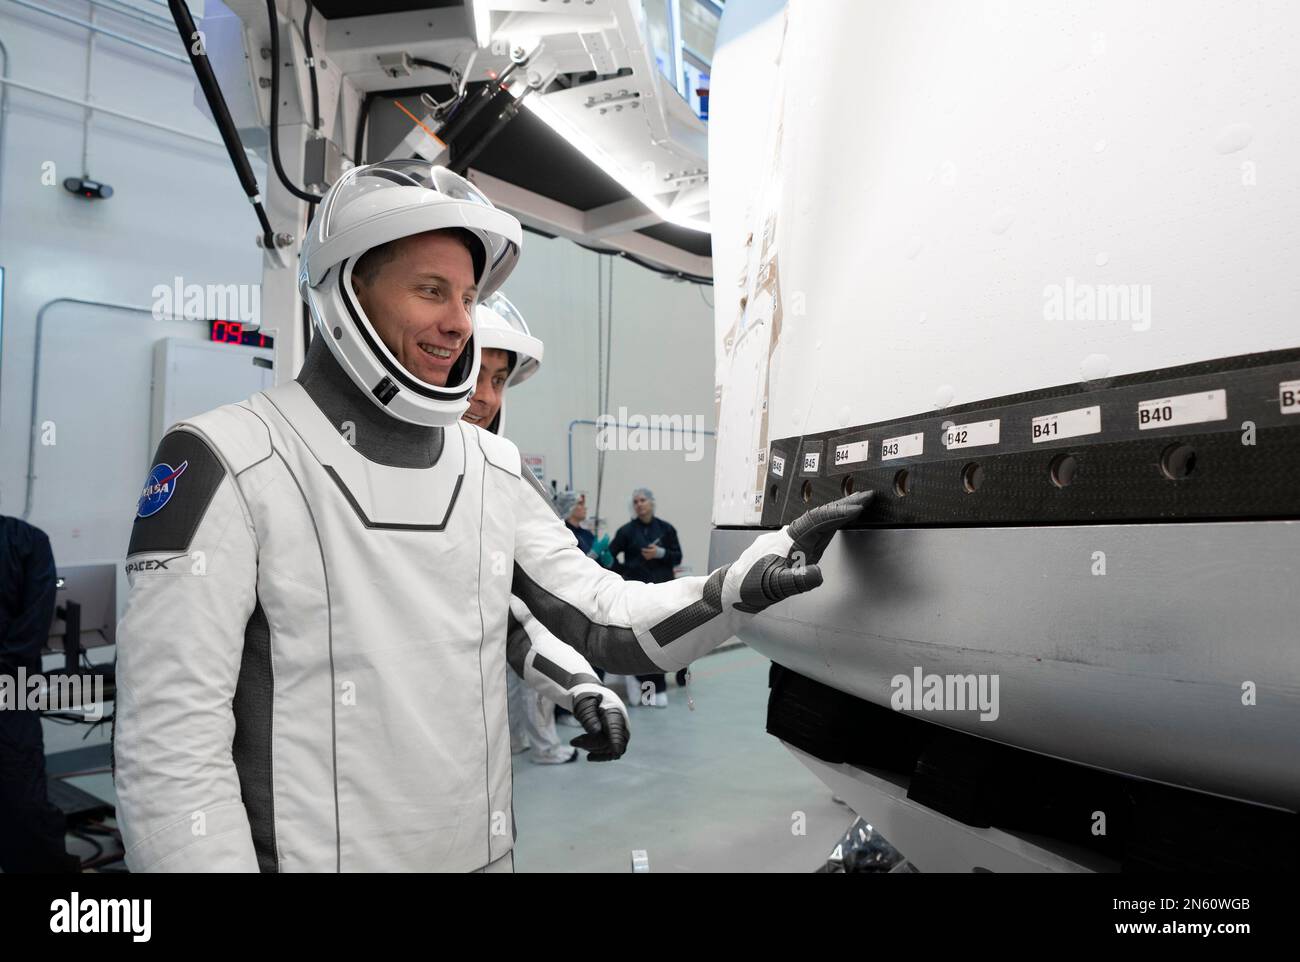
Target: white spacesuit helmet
{"x": 498, "y": 324}
{"x": 373, "y": 205}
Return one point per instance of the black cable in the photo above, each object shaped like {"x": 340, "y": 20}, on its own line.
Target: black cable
{"x": 362, "y": 115}
{"x": 600, "y": 382}
{"x": 220, "y": 113}
{"x": 99, "y": 849}
{"x": 663, "y": 272}
{"x": 600, "y": 336}
{"x": 315, "y": 126}
{"x": 609, "y": 329}
{"x": 275, "y": 108}
{"x": 609, "y": 344}
{"x": 677, "y": 275}
{"x": 311, "y": 67}
{"x": 98, "y": 863}
{"x": 605, "y": 365}
{"x": 421, "y": 62}
{"x": 274, "y": 133}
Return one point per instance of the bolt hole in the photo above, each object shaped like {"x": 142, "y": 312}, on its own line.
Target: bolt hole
{"x": 1177, "y": 461}
{"x": 806, "y": 492}
{"x": 773, "y": 491}
{"x": 1062, "y": 469}
{"x": 902, "y": 483}
{"x": 846, "y": 486}
{"x": 972, "y": 476}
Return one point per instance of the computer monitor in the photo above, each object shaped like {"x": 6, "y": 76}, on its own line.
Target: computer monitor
{"x": 91, "y": 590}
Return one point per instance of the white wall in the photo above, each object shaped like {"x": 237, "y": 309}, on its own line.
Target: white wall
{"x": 178, "y": 210}
{"x": 988, "y": 158}
{"x": 662, "y": 363}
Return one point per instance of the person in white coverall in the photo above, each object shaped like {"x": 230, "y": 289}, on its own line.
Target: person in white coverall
{"x": 545, "y": 671}
{"x": 311, "y": 665}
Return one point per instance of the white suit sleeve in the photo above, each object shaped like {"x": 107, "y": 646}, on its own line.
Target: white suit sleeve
{"x": 192, "y": 566}
{"x": 545, "y": 663}
{"x": 621, "y": 626}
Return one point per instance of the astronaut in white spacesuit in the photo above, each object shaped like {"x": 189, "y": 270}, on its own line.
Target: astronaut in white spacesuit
{"x": 545, "y": 671}
{"x": 311, "y": 665}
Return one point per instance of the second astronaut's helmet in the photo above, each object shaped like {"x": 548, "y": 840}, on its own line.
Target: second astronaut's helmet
{"x": 499, "y": 325}
{"x": 373, "y": 205}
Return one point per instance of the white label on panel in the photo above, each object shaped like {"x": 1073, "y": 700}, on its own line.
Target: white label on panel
{"x": 1167, "y": 412}
{"x": 851, "y": 453}
{"x": 1067, "y": 424}
{"x": 973, "y": 435}
{"x": 904, "y": 446}
{"x": 810, "y": 462}
{"x": 1289, "y": 395}
{"x": 778, "y": 465}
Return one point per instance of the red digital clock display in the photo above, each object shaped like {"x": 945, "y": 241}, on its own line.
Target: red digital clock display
{"x": 233, "y": 332}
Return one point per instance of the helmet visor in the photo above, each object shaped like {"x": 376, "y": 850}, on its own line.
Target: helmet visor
{"x": 500, "y": 305}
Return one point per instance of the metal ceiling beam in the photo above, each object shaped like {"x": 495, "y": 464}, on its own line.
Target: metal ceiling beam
{"x": 559, "y": 219}
{"x": 624, "y": 215}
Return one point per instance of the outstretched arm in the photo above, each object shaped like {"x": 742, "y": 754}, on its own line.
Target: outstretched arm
{"x": 636, "y": 628}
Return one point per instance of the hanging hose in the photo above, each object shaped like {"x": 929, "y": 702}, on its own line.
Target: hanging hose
{"x": 604, "y": 362}
{"x": 311, "y": 68}
{"x": 220, "y": 113}
{"x": 362, "y": 115}
{"x": 292, "y": 188}
{"x": 274, "y": 133}
{"x": 600, "y": 382}
{"x": 431, "y": 64}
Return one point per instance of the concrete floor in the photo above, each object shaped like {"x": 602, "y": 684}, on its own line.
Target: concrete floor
{"x": 700, "y": 791}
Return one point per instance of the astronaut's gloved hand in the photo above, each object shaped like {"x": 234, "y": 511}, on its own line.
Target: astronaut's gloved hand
{"x": 604, "y": 717}
{"x": 784, "y": 563}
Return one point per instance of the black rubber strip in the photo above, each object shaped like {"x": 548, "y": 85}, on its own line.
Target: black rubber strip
{"x": 1244, "y": 465}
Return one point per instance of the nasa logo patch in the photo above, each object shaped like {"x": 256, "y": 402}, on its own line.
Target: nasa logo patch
{"x": 159, "y": 488}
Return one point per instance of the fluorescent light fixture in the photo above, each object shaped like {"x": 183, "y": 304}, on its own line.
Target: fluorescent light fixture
{"x": 593, "y": 152}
